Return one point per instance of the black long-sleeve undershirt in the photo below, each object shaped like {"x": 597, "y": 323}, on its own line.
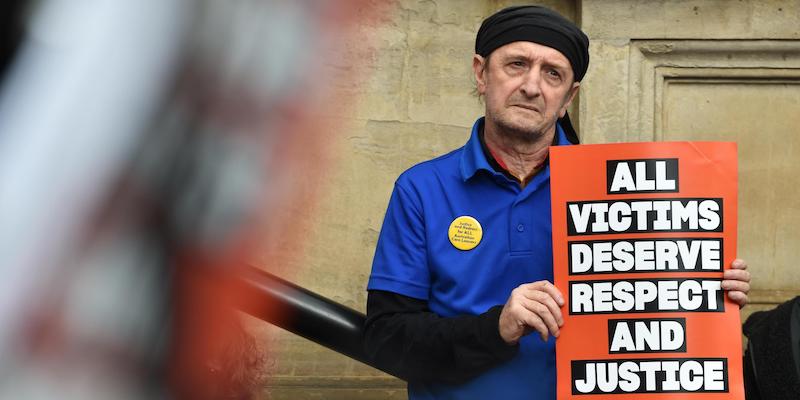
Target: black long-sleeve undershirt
{"x": 403, "y": 336}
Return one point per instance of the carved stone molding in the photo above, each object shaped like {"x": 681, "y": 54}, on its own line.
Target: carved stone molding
{"x": 656, "y": 64}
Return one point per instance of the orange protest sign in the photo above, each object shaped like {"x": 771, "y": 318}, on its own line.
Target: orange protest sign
{"x": 641, "y": 235}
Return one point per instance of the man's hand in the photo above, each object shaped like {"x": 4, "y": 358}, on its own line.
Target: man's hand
{"x": 736, "y": 281}
{"x": 531, "y": 307}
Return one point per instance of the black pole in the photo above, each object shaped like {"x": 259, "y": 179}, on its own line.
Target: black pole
{"x": 304, "y": 313}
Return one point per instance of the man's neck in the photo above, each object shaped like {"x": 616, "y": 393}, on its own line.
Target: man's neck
{"x": 521, "y": 159}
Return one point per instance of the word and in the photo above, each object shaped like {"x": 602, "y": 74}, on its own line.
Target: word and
{"x": 649, "y": 335}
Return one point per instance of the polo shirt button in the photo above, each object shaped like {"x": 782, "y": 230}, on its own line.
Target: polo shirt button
{"x": 520, "y": 227}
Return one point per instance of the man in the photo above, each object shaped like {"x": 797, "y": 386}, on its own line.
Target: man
{"x": 452, "y": 314}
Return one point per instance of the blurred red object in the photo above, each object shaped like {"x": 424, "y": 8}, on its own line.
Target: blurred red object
{"x": 146, "y": 150}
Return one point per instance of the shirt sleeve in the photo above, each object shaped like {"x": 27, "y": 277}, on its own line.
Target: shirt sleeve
{"x": 403, "y": 337}
{"x": 400, "y": 262}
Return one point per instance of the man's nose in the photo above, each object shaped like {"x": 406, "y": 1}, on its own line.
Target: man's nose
{"x": 531, "y": 86}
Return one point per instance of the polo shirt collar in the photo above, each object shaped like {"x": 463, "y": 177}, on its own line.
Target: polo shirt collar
{"x": 473, "y": 158}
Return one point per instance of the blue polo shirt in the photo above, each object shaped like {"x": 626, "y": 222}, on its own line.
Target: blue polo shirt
{"x": 414, "y": 257}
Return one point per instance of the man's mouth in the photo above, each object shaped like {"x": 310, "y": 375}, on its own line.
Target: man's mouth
{"x": 527, "y": 107}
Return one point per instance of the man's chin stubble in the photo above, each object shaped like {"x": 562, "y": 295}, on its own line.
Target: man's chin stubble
{"x": 521, "y": 133}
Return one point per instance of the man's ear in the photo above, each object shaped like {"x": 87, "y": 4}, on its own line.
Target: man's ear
{"x": 478, "y": 68}
{"x": 573, "y": 91}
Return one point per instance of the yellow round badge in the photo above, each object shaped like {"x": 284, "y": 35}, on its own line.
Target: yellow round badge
{"x": 465, "y": 232}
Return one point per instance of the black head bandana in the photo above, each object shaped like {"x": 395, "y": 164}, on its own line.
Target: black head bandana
{"x": 539, "y": 25}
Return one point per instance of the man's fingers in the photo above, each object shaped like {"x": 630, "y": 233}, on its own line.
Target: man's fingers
{"x": 548, "y": 301}
{"x": 547, "y": 287}
{"x": 734, "y": 285}
{"x": 533, "y": 321}
{"x": 533, "y": 307}
{"x": 736, "y": 282}
{"x": 736, "y": 274}
{"x": 737, "y": 279}
{"x": 737, "y": 297}
{"x": 544, "y": 299}
{"x": 543, "y": 313}
{"x": 554, "y": 309}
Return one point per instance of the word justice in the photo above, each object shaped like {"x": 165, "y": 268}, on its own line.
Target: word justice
{"x": 649, "y": 376}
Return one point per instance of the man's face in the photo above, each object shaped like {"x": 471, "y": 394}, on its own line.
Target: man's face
{"x": 527, "y": 87}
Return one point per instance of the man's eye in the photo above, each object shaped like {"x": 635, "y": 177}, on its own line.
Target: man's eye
{"x": 553, "y": 73}
{"x": 517, "y": 63}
